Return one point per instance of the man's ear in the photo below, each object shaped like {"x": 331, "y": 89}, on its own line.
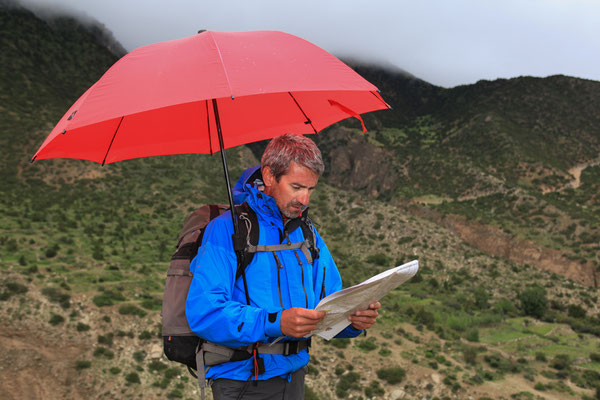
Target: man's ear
{"x": 267, "y": 175}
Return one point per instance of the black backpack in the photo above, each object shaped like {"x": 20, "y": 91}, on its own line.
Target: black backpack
{"x": 180, "y": 343}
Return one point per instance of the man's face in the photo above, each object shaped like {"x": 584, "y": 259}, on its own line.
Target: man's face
{"x": 292, "y": 192}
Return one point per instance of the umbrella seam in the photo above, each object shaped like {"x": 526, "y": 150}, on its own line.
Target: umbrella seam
{"x": 222, "y": 63}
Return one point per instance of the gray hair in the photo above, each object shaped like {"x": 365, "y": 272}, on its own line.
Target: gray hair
{"x": 282, "y": 150}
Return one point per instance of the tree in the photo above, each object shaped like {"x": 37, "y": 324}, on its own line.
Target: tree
{"x": 534, "y": 301}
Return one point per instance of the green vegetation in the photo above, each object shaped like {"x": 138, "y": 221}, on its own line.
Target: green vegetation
{"x": 82, "y": 364}
{"x": 84, "y": 248}
{"x": 391, "y": 375}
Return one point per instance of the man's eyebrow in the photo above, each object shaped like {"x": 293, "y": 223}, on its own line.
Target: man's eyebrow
{"x": 302, "y": 186}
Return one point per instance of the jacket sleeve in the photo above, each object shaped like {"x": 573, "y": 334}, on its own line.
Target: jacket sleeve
{"x": 211, "y": 309}
{"x": 331, "y": 281}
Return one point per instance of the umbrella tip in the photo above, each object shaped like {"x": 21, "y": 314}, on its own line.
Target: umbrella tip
{"x": 202, "y": 30}
{"x": 32, "y": 159}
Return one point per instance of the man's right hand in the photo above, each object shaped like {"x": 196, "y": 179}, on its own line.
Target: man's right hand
{"x": 299, "y": 322}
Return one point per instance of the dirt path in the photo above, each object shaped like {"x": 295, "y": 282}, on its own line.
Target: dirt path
{"x": 575, "y": 172}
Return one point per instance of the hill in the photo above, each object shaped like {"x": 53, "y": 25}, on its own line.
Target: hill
{"x": 519, "y": 155}
{"x": 84, "y": 248}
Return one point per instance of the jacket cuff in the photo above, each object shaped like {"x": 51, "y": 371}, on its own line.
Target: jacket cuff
{"x": 273, "y": 324}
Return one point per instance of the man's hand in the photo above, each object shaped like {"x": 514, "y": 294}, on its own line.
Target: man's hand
{"x": 299, "y": 322}
{"x": 364, "y": 319}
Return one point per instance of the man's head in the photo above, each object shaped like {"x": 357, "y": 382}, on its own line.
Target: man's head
{"x": 291, "y": 166}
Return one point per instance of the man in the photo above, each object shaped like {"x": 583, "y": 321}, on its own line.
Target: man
{"x": 283, "y": 286}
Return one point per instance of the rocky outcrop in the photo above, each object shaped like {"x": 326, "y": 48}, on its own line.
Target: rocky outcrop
{"x": 498, "y": 243}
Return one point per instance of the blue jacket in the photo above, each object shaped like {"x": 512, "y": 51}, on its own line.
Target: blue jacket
{"x": 216, "y": 306}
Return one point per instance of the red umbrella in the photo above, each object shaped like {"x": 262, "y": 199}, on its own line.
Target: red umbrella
{"x": 208, "y": 92}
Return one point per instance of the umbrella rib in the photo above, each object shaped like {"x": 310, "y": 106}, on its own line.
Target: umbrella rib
{"x": 113, "y": 139}
{"x": 308, "y": 121}
{"x": 222, "y": 63}
{"x": 381, "y": 99}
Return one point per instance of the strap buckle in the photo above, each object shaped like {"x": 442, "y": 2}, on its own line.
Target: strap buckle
{"x": 290, "y": 347}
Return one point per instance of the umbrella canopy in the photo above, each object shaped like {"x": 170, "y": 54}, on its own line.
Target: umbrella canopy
{"x": 171, "y": 97}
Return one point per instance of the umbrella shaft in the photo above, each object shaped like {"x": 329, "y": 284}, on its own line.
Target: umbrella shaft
{"x": 224, "y": 159}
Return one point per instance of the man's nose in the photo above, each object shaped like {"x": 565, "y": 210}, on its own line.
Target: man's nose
{"x": 304, "y": 197}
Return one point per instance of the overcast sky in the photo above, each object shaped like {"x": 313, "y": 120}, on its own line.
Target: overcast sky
{"x": 445, "y": 42}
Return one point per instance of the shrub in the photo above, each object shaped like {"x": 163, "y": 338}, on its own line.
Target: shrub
{"x": 534, "y": 301}
{"x": 595, "y": 357}
{"x": 310, "y": 394}
{"x": 340, "y": 343}
{"x": 12, "y": 288}
{"x": 539, "y": 356}
{"x": 472, "y": 335}
{"x": 82, "y": 364}
{"x": 561, "y": 362}
{"x": 470, "y": 355}
{"x": 56, "y": 296}
{"x": 175, "y": 394}
{"x": 131, "y": 309}
{"x": 145, "y": 335}
{"x": 424, "y": 317}
{"x": 114, "y": 370}
{"x": 459, "y": 323}
{"x": 107, "y": 298}
{"x": 367, "y": 345}
{"x": 153, "y": 303}
{"x": 391, "y": 375}
{"x": 505, "y": 307}
{"x": 378, "y": 259}
{"x": 81, "y": 327}
{"x": 106, "y": 339}
{"x": 56, "y": 319}
{"x": 156, "y": 365}
{"x": 310, "y": 370}
{"x": 385, "y": 352}
{"x": 576, "y": 311}
{"x": 132, "y": 378}
{"x": 374, "y": 390}
{"x": 481, "y": 298}
{"x": 52, "y": 251}
{"x": 349, "y": 381}
{"x": 104, "y": 352}
{"x": 139, "y": 356}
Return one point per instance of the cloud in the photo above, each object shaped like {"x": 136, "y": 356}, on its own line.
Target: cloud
{"x": 444, "y": 42}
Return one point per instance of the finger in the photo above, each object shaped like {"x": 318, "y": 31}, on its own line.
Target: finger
{"x": 311, "y": 314}
{"x": 375, "y": 306}
{"x": 365, "y": 320}
{"x": 366, "y": 313}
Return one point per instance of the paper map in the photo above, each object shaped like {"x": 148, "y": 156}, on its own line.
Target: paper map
{"x": 342, "y": 304}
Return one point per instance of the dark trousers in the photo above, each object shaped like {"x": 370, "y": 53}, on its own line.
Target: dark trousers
{"x": 271, "y": 389}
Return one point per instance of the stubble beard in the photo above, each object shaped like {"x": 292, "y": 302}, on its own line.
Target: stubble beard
{"x": 290, "y": 210}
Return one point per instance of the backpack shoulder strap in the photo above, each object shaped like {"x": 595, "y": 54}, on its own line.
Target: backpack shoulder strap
{"x": 308, "y": 230}
{"x": 248, "y": 233}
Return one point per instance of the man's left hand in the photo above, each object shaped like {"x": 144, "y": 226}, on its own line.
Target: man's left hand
{"x": 364, "y": 319}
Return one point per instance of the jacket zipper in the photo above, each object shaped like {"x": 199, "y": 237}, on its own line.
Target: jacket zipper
{"x": 302, "y": 271}
{"x": 279, "y": 267}
{"x": 322, "y": 295}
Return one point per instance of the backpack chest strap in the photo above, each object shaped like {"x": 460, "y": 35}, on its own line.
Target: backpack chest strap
{"x": 261, "y": 248}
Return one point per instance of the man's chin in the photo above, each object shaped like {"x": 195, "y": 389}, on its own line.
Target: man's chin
{"x": 292, "y": 213}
